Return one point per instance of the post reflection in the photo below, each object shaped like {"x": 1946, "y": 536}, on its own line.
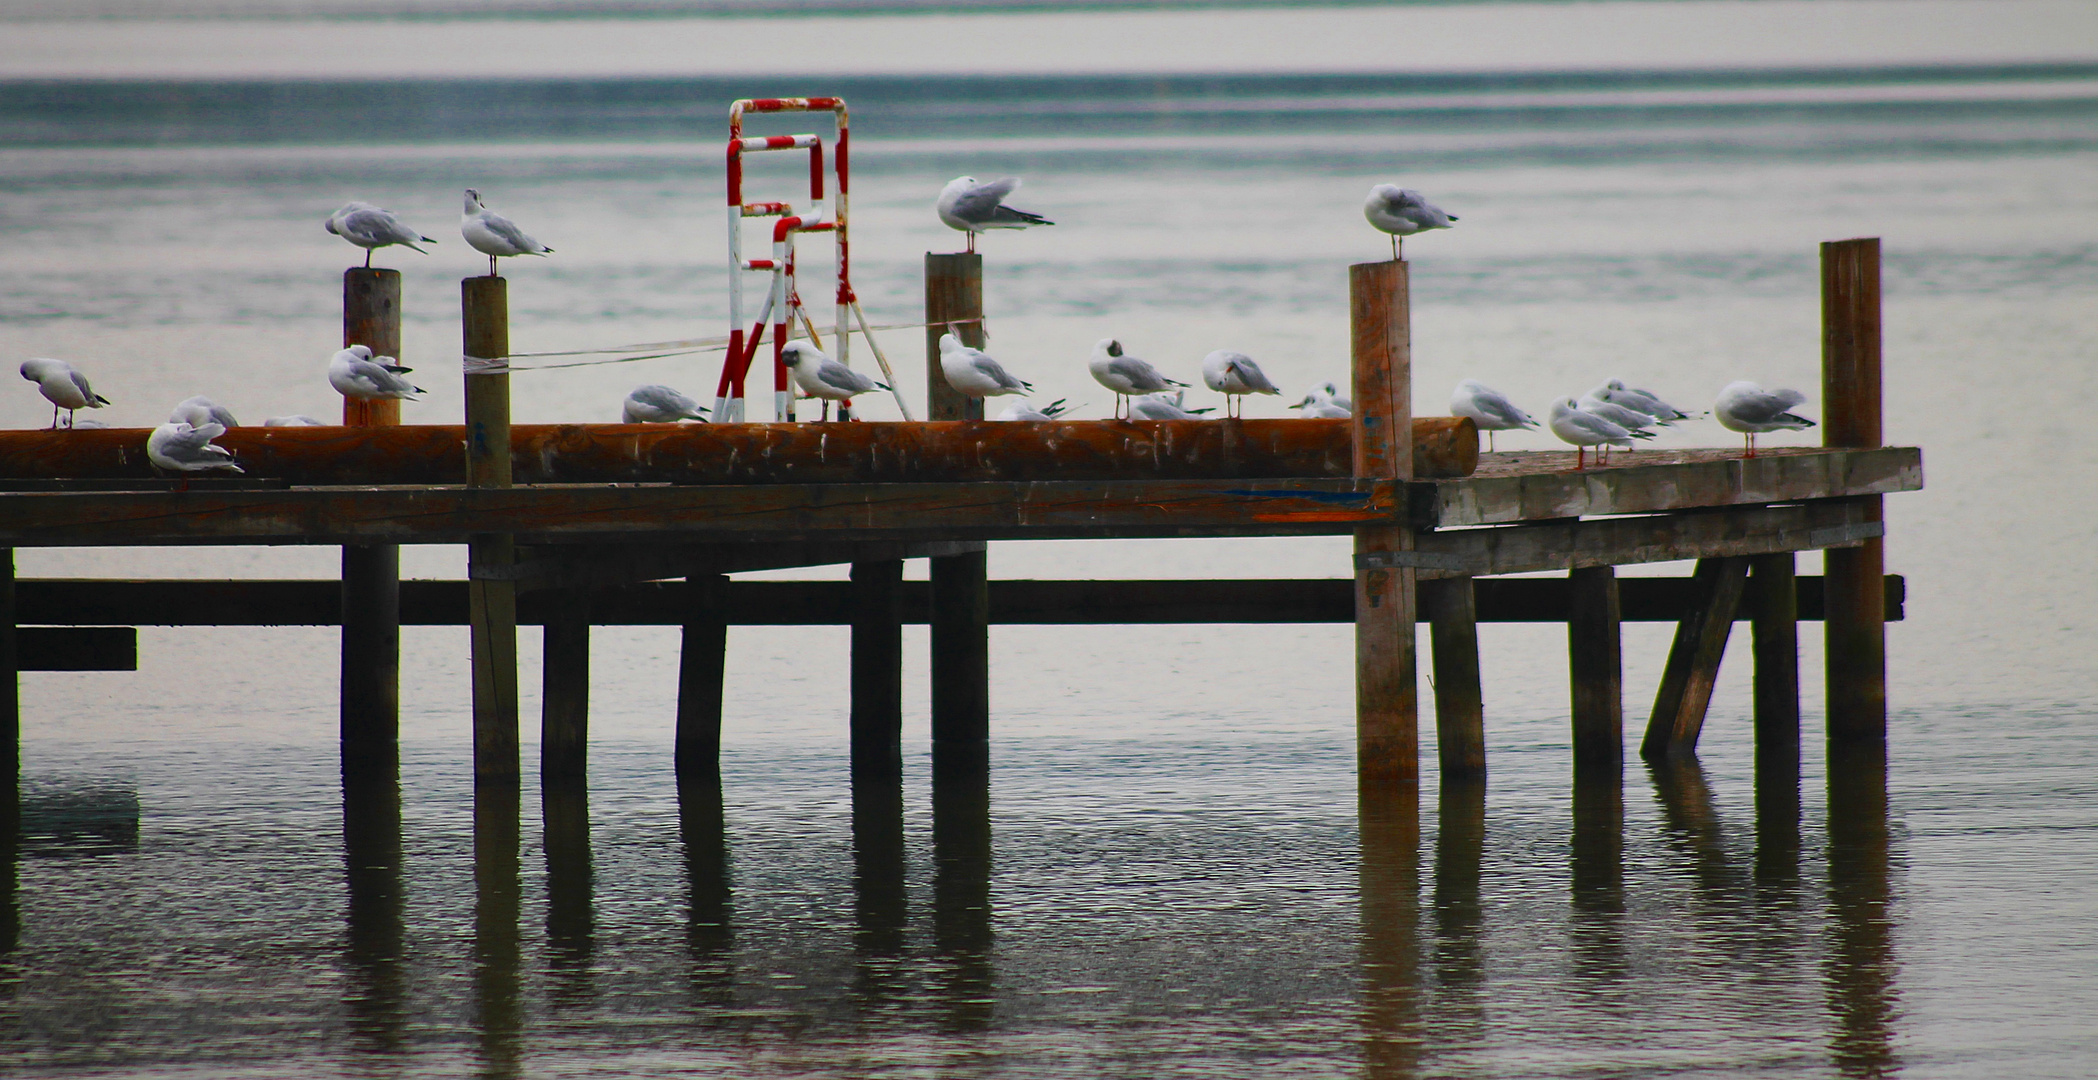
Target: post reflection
{"x": 1858, "y": 973}
{"x": 10, "y": 861}
{"x": 1390, "y": 950}
{"x": 709, "y": 911}
{"x": 1459, "y": 918}
{"x": 571, "y": 924}
{"x": 1597, "y": 875}
{"x": 498, "y": 900}
{"x": 961, "y": 894}
{"x": 880, "y": 912}
{"x": 1777, "y": 830}
{"x": 1692, "y": 824}
{"x": 377, "y": 927}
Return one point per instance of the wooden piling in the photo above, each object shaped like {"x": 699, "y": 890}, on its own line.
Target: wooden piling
{"x": 1387, "y": 737}
{"x": 1460, "y": 714}
{"x": 564, "y": 718}
{"x": 1773, "y": 595}
{"x": 370, "y": 697}
{"x": 485, "y": 307}
{"x": 961, "y": 598}
{"x": 953, "y": 293}
{"x": 371, "y": 317}
{"x": 702, "y": 667}
{"x": 10, "y": 706}
{"x": 1856, "y": 635}
{"x": 877, "y": 669}
{"x": 1693, "y": 660}
{"x": 1595, "y": 662}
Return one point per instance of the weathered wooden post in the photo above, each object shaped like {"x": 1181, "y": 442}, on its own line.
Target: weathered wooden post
{"x": 564, "y": 719}
{"x": 490, "y": 559}
{"x": 1595, "y": 657}
{"x": 877, "y": 669}
{"x": 1693, "y": 660}
{"x": 1387, "y": 736}
{"x": 702, "y": 666}
{"x": 371, "y": 573}
{"x": 1855, "y": 631}
{"x": 1773, "y": 588}
{"x": 10, "y": 711}
{"x": 1460, "y": 713}
{"x": 961, "y": 597}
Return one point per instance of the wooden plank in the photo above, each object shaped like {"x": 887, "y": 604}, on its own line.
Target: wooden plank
{"x": 1387, "y": 716}
{"x": 1595, "y": 663}
{"x": 1773, "y": 607}
{"x": 1856, "y": 637}
{"x": 702, "y": 671}
{"x": 953, "y": 293}
{"x": 1452, "y": 614}
{"x": 564, "y": 718}
{"x": 1535, "y": 486}
{"x": 877, "y": 670}
{"x": 1693, "y": 661}
{"x": 76, "y": 648}
{"x": 960, "y": 616}
{"x": 1697, "y": 534}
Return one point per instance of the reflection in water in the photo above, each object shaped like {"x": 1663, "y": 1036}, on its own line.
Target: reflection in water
{"x": 1860, "y": 964}
{"x": 708, "y": 909}
{"x": 498, "y": 896}
{"x": 1777, "y": 828}
{"x": 1597, "y": 872}
{"x": 1692, "y": 826}
{"x": 371, "y": 854}
{"x": 961, "y": 893}
{"x": 1460, "y": 840}
{"x": 879, "y": 908}
{"x": 571, "y": 928}
{"x": 1390, "y": 897}
{"x": 10, "y": 863}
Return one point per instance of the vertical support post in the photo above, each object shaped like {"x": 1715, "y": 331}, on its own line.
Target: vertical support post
{"x": 1387, "y": 735}
{"x": 1855, "y": 630}
{"x": 702, "y": 665}
{"x": 370, "y": 697}
{"x": 961, "y": 596}
{"x": 10, "y": 714}
{"x": 1693, "y": 661}
{"x": 1774, "y": 625}
{"x": 491, "y": 592}
{"x": 953, "y": 293}
{"x": 1595, "y": 655}
{"x": 1460, "y": 712}
{"x": 564, "y": 717}
{"x": 877, "y": 669}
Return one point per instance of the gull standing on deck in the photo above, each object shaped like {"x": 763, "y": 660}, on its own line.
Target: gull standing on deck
{"x": 356, "y": 373}
{"x": 1617, "y": 393}
{"x": 1234, "y": 375}
{"x": 970, "y": 206}
{"x": 494, "y": 235}
{"x": 371, "y": 228}
{"x": 1488, "y": 409}
{"x": 819, "y": 376}
{"x": 973, "y": 373}
{"x": 178, "y": 447}
{"x": 1748, "y": 409}
{"x": 63, "y": 386}
{"x": 1403, "y": 212}
{"x": 1584, "y": 430}
{"x": 1632, "y": 420}
{"x": 1020, "y": 410}
{"x": 199, "y": 411}
{"x": 655, "y": 404}
{"x": 1164, "y": 407}
{"x": 1126, "y": 375}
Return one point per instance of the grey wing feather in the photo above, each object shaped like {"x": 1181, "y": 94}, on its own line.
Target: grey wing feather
{"x": 511, "y": 234}
{"x": 80, "y": 383}
{"x": 1254, "y": 378}
{"x": 996, "y": 371}
{"x": 981, "y": 202}
{"x": 1501, "y": 408}
{"x": 1140, "y": 373}
{"x": 1765, "y": 407}
{"x": 844, "y": 378}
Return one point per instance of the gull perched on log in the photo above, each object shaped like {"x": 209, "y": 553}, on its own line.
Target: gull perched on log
{"x": 494, "y": 235}
{"x": 371, "y": 228}
{"x": 1164, "y": 407}
{"x": 1403, "y": 212}
{"x": 355, "y": 372}
{"x": 973, "y": 373}
{"x": 1020, "y": 410}
{"x": 1748, "y": 409}
{"x": 199, "y": 411}
{"x": 654, "y": 404}
{"x": 63, "y": 386}
{"x": 179, "y": 447}
{"x": 1320, "y": 404}
{"x": 294, "y": 420}
{"x": 1126, "y": 375}
{"x": 1488, "y": 409}
{"x": 1584, "y": 429}
{"x": 819, "y": 376}
{"x": 971, "y": 206}
{"x": 1234, "y": 375}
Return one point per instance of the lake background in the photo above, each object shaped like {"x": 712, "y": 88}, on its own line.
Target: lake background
{"x": 1167, "y": 873}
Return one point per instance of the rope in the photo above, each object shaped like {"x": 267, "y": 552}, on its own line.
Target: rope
{"x": 650, "y": 350}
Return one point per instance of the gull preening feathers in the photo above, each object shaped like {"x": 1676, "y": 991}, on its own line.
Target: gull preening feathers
{"x": 63, "y": 386}
{"x": 494, "y": 235}
{"x": 972, "y": 206}
{"x": 1234, "y": 375}
{"x": 1020, "y": 410}
{"x": 973, "y": 373}
{"x": 371, "y": 228}
{"x": 356, "y": 373}
{"x": 1585, "y": 429}
{"x": 1488, "y": 409}
{"x": 1632, "y": 420}
{"x": 1631, "y": 397}
{"x": 1402, "y": 212}
{"x": 1748, "y": 409}
{"x": 819, "y": 376}
{"x": 1163, "y": 406}
{"x": 1126, "y": 375}
{"x": 199, "y": 411}
{"x": 654, "y": 404}
{"x": 179, "y": 447}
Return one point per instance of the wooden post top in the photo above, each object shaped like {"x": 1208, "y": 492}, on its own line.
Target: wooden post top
{"x": 1850, "y": 343}
{"x": 1381, "y": 328}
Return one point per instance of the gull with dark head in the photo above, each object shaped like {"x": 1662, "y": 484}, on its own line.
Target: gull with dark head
{"x": 1234, "y": 375}
{"x": 63, "y": 386}
{"x": 1320, "y": 404}
{"x": 494, "y": 235}
{"x": 1403, "y": 212}
{"x": 372, "y": 228}
{"x": 1126, "y": 375}
{"x": 819, "y": 376}
{"x": 1749, "y": 409}
{"x": 972, "y": 206}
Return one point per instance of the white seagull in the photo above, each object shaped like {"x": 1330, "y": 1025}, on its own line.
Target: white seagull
{"x": 63, "y": 386}
{"x": 494, "y": 235}
{"x": 1488, "y": 409}
{"x": 1234, "y": 375}
{"x": 199, "y": 411}
{"x": 1584, "y": 430}
{"x": 1631, "y": 420}
{"x": 355, "y": 372}
{"x": 1020, "y": 410}
{"x": 178, "y": 447}
{"x": 371, "y": 228}
{"x": 1748, "y": 409}
{"x": 819, "y": 376}
{"x": 1164, "y": 407}
{"x": 655, "y": 404}
{"x": 294, "y": 420}
{"x": 973, "y": 373}
{"x": 1617, "y": 393}
{"x": 971, "y": 206}
{"x": 1402, "y": 212}
{"x": 1320, "y": 404}
{"x": 1125, "y": 375}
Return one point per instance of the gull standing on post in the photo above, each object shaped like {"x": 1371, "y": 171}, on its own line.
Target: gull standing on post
{"x": 1234, "y": 375}
{"x": 819, "y": 376}
{"x": 1402, "y": 212}
{"x": 1617, "y": 393}
{"x": 1748, "y": 409}
{"x": 63, "y": 386}
{"x": 973, "y": 373}
{"x": 494, "y": 235}
{"x": 199, "y": 411}
{"x": 178, "y": 447}
{"x": 1584, "y": 430}
{"x": 1126, "y": 375}
{"x": 371, "y": 228}
{"x": 1488, "y": 409}
{"x": 972, "y": 207}
{"x": 655, "y": 404}
{"x": 355, "y": 373}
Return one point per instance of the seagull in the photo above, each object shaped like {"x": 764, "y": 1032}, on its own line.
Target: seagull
{"x": 1332, "y": 393}
{"x": 660, "y": 405}
{"x": 371, "y": 228}
{"x": 1617, "y": 393}
{"x": 1163, "y": 407}
{"x": 1584, "y": 429}
{"x": 1748, "y": 408}
{"x": 973, "y": 373}
{"x": 1631, "y": 420}
{"x": 63, "y": 386}
{"x": 81, "y": 424}
{"x": 1234, "y": 375}
{"x": 1488, "y": 409}
{"x": 1402, "y": 212}
{"x": 294, "y": 420}
{"x": 1020, "y": 410}
{"x": 356, "y": 373}
{"x": 178, "y": 447}
{"x": 1320, "y": 404}
{"x": 494, "y": 235}
{"x": 199, "y": 411}
{"x": 1125, "y": 375}
{"x": 970, "y": 206}
{"x": 819, "y": 376}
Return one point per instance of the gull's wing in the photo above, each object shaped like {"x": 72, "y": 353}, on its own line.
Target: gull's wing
{"x": 1250, "y": 374}
{"x": 1140, "y": 373}
{"x": 832, "y": 373}
{"x": 1500, "y": 408}
{"x": 510, "y": 233}
{"x": 1764, "y": 406}
{"x": 980, "y": 202}
{"x": 80, "y": 384}
{"x": 995, "y": 371}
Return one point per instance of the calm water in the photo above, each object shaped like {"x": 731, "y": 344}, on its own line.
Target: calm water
{"x": 1168, "y": 872}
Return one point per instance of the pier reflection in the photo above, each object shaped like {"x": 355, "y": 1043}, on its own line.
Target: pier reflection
{"x": 961, "y": 895}
{"x": 1597, "y": 877}
{"x": 1860, "y": 966}
{"x": 1777, "y": 827}
{"x": 498, "y": 900}
{"x": 709, "y": 913}
{"x": 1691, "y": 824}
{"x": 376, "y": 924}
{"x": 880, "y": 911}
{"x": 10, "y": 864}
{"x": 1458, "y": 915}
{"x": 1389, "y": 882}
{"x": 571, "y": 924}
